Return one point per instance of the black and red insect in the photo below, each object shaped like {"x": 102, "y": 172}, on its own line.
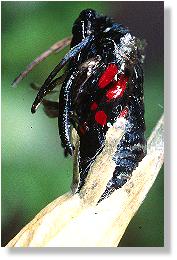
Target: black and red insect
{"x": 103, "y": 81}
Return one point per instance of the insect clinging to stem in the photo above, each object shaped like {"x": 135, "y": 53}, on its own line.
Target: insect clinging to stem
{"x": 102, "y": 83}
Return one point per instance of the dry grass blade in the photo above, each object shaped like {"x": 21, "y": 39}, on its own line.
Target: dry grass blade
{"x": 58, "y": 46}
{"x": 77, "y": 220}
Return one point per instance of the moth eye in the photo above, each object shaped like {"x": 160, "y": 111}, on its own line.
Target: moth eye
{"x": 93, "y": 106}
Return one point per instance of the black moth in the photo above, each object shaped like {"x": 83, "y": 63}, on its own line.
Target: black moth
{"x": 103, "y": 82}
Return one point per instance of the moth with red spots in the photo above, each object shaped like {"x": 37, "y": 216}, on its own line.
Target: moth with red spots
{"x": 103, "y": 82}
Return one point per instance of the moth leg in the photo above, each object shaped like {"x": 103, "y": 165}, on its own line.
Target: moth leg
{"x": 66, "y": 106}
{"x": 64, "y": 118}
{"x": 71, "y": 54}
{"x": 51, "y": 108}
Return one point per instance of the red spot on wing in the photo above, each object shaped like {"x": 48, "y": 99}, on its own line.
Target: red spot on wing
{"x": 118, "y": 88}
{"x": 83, "y": 128}
{"x": 101, "y": 117}
{"x": 107, "y": 75}
{"x": 93, "y": 106}
{"x": 124, "y": 112}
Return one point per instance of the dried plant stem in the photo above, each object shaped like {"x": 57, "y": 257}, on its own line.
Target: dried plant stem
{"x": 77, "y": 219}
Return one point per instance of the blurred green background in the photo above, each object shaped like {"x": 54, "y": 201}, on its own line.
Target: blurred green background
{"x": 34, "y": 169}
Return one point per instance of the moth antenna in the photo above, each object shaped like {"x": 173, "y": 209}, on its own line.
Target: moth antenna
{"x": 56, "y": 47}
{"x": 36, "y": 86}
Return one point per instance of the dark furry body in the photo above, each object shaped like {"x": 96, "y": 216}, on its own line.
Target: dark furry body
{"x": 131, "y": 149}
